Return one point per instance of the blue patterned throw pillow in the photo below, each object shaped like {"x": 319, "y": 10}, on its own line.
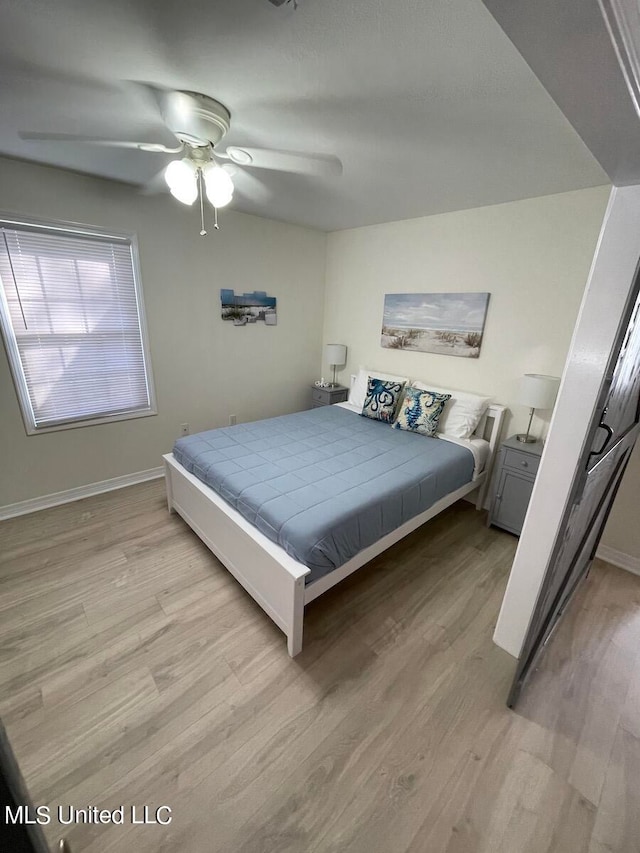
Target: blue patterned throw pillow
{"x": 382, "y": 399}
{"x": 420, "y": 411}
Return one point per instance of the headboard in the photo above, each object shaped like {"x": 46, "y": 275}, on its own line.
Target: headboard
{"x": 490, "y": 426}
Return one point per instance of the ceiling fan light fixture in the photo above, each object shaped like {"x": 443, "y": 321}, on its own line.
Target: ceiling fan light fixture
{"x": 181, "y": 178}
{"x": 219, "y": 201}
{"x": 218, "y": 185}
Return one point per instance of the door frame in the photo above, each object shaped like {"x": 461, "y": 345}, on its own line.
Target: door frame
{"x": 607, "y": 294}
{"x": 546, "y": 614}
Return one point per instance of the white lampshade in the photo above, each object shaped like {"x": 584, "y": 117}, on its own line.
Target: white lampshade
{"x": 335, "y": 354}
{"x": 218, "y": 185}
{"x": 538, "y": 391}
{"x": 181, "y": 179}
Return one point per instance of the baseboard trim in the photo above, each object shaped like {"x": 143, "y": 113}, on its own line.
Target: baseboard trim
{"x": 79, "y": 492}
{"x": 619, "y": 559}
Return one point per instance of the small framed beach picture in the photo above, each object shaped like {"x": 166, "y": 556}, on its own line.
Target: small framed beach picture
{"x": 244, "y": 309}
{"x": 442, "y": 323}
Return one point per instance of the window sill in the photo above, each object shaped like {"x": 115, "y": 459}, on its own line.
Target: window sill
{"x": 31, "y": 430}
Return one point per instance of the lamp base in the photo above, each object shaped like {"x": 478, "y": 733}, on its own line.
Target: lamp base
{"x": 526, "y": 438}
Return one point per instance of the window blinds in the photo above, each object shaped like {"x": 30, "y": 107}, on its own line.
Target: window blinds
{"x": 71, "y": 308}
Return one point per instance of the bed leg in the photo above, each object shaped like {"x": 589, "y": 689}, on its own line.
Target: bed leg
{"x": 294, "y": 643}
{"x": 167, "y": 483}
{"x": 480, "y": 496}
{"x": 294, "y": 637}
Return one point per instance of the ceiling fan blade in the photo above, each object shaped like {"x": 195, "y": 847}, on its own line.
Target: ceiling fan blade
{"x": 156, "y": 184}
{"x": 172, "y": 106}
{"x": 321, "y": 165}
{"x": 149, "y": 147}
{"x": 248, "y": 186}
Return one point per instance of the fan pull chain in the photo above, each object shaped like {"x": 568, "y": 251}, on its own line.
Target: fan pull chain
{"x": 203, "y": 230}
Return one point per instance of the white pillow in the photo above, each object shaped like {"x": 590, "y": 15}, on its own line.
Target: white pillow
{"x": 358, "y": 390}
{"x": 462, "y": 412}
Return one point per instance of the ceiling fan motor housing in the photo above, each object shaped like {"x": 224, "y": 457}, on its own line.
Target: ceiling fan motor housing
{"x": 195, "y": 118}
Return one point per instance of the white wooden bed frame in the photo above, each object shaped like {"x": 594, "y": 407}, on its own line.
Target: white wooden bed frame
{"x": 273, "y": 578}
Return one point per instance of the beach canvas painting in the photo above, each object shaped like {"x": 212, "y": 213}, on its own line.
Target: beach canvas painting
{"x": 243, "y": 309}
{"x": 443, "y": 323}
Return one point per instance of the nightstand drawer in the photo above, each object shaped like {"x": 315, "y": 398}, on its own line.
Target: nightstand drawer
{"x": 525, "y": 462}
{"x": 328, "y": 396}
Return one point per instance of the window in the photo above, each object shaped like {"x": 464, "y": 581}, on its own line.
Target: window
{"x": 73, "y": 323}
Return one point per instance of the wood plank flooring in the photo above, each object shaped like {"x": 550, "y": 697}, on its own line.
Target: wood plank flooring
{"x": 135, "y": 671}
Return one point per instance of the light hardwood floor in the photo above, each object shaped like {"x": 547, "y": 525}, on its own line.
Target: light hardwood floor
{"x": 134, "y": 670}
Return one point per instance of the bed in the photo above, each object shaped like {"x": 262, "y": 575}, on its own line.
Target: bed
{"x": 293, "y": 505}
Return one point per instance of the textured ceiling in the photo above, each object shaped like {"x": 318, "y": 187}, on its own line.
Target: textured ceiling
{"x": 428, "y": 104}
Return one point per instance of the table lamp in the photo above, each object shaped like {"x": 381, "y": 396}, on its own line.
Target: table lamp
{"x": 336, "y": 355}
{"x": 538, "y": 392}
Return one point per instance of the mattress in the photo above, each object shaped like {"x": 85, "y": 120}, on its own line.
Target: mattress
{"x": 325, "y": 483}
{"x": 479, "y": 447}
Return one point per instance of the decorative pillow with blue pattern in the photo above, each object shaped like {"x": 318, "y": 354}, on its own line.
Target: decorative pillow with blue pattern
{"x": 420, "y": 411}
{"x": 381, "y": 400}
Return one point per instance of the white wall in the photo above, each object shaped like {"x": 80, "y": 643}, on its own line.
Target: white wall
{"x": 533, "y": 256}
{"x": 610, "y": 282}
{"x": 204, "y": 369}
{"x": 622, "y": 533}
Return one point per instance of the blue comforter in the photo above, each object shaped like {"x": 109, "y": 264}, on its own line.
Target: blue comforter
{"x": 325, "y": 483}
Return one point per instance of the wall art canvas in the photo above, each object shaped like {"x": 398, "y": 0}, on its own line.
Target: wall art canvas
{"x": 242, "y": 309}
{"x": 443, "y": 323}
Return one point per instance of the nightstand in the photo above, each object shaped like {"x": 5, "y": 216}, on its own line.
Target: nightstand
{"x": 328, "y": 396}
{"x": 514, "y": 478}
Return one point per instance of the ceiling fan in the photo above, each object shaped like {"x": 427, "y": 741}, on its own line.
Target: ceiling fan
{"x": 199, "y": 123}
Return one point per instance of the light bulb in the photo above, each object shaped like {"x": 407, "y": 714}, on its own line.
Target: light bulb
{"x": 180, "y": 176}
{"x": 218, "y": 185}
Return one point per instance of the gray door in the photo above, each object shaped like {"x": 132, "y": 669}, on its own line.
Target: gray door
{"x": 610, "y": 440}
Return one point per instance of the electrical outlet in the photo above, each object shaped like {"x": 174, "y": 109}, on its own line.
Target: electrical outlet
{"x": 233, "y": 420}
{"x": 184, "y": 429}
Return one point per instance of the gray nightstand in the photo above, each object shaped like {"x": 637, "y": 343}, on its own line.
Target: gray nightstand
{"x": 513, "y": 483}
{"x": 328, "y": 396}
